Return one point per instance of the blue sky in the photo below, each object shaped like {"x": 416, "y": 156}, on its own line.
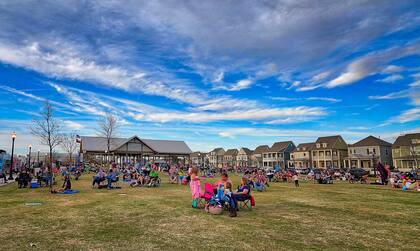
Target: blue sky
{"x": 216, "y": 73}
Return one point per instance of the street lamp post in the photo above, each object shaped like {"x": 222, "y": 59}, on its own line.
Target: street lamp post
{"x": 29, "y": 157}
{"x": 37, "y": 161}
{"x": 11, "y": 159}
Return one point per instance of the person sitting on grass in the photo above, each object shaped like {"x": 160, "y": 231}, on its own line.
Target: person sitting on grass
{"x": 67, "y": 183}
{"x": 153, "y": 176}
{"x": 112, "y": 177}
{"x": 98, "y": 178}
{"x": 173, "y": 177}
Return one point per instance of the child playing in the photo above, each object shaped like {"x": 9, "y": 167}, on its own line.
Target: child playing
{"x": 296, "y": 179}
{"x": 195, "y": 187}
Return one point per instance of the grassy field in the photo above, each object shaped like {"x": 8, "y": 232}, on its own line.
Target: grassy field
{"x": 317, "y": 217}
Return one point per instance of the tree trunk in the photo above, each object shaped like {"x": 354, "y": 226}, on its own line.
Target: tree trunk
{"x": 50, "y": 169}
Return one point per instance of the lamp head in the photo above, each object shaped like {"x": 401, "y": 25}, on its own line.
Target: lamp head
{"x": 30, "y": 146}
{"x": 13, "y": 135}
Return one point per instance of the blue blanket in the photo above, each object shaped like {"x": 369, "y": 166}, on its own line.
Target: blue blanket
{"x": 69, "y": 192}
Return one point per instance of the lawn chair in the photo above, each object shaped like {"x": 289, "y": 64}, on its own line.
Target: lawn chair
{"x": 208, "y": 194}
{"x": 247, "y": 203}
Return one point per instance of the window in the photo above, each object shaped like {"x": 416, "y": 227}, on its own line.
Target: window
{"x": 367, "y": 151}
{"x": 386, "y": 151}
{"x": 374, "y": 151}
{"x": 304, "y": 154}
{"x": 324, "y": 145}
{"x": 318, "y": 145}
{"x": 293, "y": 156}
{"x": 314, "y": 153}
{"x": 328, "y": 153}
{"x": 335, "y": 153}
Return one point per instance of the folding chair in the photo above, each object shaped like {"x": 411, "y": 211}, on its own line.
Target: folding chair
{"x": 246, "y": 203}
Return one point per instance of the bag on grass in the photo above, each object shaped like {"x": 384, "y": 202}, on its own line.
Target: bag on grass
{"x": 252, "y": 201}
{"x": 194, "y": 203}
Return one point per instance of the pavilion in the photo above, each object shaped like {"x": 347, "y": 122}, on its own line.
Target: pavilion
{"x": 134, "y": 149}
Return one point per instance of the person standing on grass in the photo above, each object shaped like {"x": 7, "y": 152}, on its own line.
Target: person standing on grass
{"x": 195, "y": 186}
{"x": 296, "y": 179}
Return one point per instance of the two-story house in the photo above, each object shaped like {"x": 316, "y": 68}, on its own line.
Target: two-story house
{"x": 257, "y": 155}
{"x": 367, "y": 152}
{"x": 216, "y": 157}
{"x": 278, "y": 154}
{"x": 406, "y": 152}
{"x": 329, "y": 152}
{"x": 301, "y": 156}
{"x": 198, "y": 158}
{"x": 243, "y": 158}
{"x": 229, "y": 158}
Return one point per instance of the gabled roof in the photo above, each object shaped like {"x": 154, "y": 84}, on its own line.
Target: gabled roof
{"x": 168, "y": 146}
{"x": 217, "y": 149}
{"x": 304, "y": 147}
{"x": 197, "y": 154}
{"x": 332, "y": 141}
{"x": 407, "y": 140}
{"x": 280, "y": 146}
{"x": 246, "y": 150}
{"x": 232, "y": 152}
{"x": 371, "y": 141}
{"x": 261, "y": 149}
{"x": 99, "y": 144}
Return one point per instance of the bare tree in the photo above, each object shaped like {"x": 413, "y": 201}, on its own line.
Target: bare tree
{"x": 414, "y": 155}
{"x": 69, "y": 144}
{"x": 107, "y": 128}
{"x": 47, "y": 129}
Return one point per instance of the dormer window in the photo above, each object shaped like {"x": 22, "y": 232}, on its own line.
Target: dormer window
{"x": 324, "y": 145}
{"x": 318, "y": 145}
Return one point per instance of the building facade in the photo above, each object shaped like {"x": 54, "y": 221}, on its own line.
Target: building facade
{"x": 301, "y": 156}
{"x": 257, "y": 156}
{"x": 216, "y": 157}
{"x": 367, "y": 152}
{"x": 278, "y": 154}
{"x": 329, "y": 152}
{"x": 230, "y": 158}
{"x": 133, "y": 150}
{"x": 406, "y": 152}
{"x": 244, "y": 158}
{"x": 198, "y": 159}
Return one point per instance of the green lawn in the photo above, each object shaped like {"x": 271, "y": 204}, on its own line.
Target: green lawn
{"x": 319, "y": 217}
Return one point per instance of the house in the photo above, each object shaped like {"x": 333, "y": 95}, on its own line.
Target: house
{"x": 198, "y": 158}
{"x": 244, "y": 157}
{"x": 216, "y": 157}
{"x": 278, "y": 154}
{"x": 229, "y": 158}
{"x": 329, "y": 152}
{"x": 368, "y": 151}
{"x": 301, "y": 156}
{"x": 406, "y": 152}
{"x": 257, "y": 155}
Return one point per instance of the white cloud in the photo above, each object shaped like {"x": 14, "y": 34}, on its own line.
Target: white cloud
{"x": 408, "y": 116}
{"x": 391, "y": 78}
{"x": 390, "y": 69}
{"x": 327, "y": 99}
{"x": 392, "y": 95}
{"x": 72, "y": 125}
